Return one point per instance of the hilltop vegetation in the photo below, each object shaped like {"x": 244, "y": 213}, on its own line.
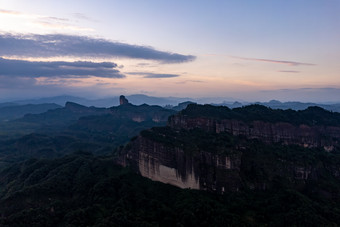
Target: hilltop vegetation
{"x": 310, "y": 116}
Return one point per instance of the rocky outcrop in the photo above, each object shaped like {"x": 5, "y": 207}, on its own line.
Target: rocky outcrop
{"x": 123, "y": 100}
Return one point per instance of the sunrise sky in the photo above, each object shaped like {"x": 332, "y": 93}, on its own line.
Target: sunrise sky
{"x": 236, "y": 49}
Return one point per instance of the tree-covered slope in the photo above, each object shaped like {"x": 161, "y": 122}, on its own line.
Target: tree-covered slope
{"x": 82, "y": 190}
{"x": 75, "y": 127}
{"x": 310, "y": 116}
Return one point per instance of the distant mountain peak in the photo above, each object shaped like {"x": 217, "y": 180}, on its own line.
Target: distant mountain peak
{"x": 274, "y": 102}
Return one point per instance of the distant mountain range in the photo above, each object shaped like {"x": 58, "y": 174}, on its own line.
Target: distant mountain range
{"x": 103, "y": 102}
{"x": 274, "y": 104}
{"x": 10, "y": 111}
{"x": 168, "y": 102}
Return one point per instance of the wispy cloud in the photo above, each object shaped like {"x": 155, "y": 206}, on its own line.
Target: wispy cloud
{"x": 82, "y": 16}
{"x": 143, "y": 64}
{"x": 48, "y": 23}
{"x": 9, "y": 12}
{"x": 288, "y": 71}
{"x": 291, "y": 63}
{"x": 55, "y": 19}
{"x": 146, "y": 65}
{"x": 189, "y": 81}
{"x": 60, "y": 69}
{"x": 153, "y": 75}
{"x": 59, "y": 23}
{"x": 66, "y": 45}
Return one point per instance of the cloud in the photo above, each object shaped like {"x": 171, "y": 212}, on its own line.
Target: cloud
{"x": 82, "y": 16}
{"x": 78, "y": 69}
{"x": 67, "y": 45}
{"x": 58, "y": 23}
{"x": 9, "y": 12}
{"x": 190, "y": 81}
{"x": 288, "y": 71}
{"x": 153, "y": 75}
{"x": 157, "y": 75}
{"x": 146, "y": 65}
{"x": 291, "y": 63}
{"x": 53, "y": 24}
{"x": 143, "y": 64}
{"x": 48, "y": 22}
{"x": 55, "y": 19}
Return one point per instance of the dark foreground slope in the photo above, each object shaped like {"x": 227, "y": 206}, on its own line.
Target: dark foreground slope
{"x": 82, "y": 190}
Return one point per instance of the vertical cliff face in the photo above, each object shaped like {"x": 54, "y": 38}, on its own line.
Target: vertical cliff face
{"x": 226, "y": 154}
{"x": 172, "y": 165}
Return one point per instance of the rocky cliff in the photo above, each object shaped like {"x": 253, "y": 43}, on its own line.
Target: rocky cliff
{"x": 313, "y": 127}
{"x": 173, "y": 165}
{"x": 230, "y": 154}
{"x": 280, "y": 132}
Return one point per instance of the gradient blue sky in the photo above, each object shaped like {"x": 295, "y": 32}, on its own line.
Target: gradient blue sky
{"x": 248, "y": 50}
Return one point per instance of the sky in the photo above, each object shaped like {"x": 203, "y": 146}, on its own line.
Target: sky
{"x": 244, "y": 50}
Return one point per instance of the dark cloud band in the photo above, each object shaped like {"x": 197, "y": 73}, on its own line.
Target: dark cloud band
{"x": 83, "y": 69}
{"x": 67, "y": 45}
{"x": 291, "y": 63}
{"x": 289, "y": 71}
{"x": 153, "y": 75}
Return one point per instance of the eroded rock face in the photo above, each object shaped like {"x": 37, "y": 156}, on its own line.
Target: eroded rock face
{"x": 172, "y": 165}
{"x": 281, "y": 132}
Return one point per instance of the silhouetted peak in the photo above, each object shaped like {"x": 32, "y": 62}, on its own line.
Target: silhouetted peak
{"x": 123, "y": 100}
{"x": 274, "y": 102}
